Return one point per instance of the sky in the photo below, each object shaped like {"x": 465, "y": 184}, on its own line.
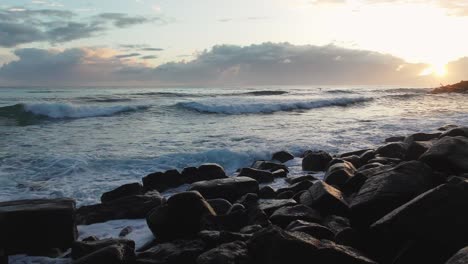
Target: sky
{"x": 243, "y": 42}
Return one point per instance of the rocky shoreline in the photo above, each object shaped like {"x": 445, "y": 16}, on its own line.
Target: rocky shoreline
{"x": 403, "y": 202}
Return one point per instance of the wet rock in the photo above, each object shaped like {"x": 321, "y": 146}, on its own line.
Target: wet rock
{"x": 427, "y": 252}
{"x": 416, "y": 149}
{"x": 280, "y": 173}
{"x": 447, "y": 127}
{"x": 37, "y": 225}
{"x": 267, "y": 192}
{"x": 395, "y": 150}
{"x": 118, "y": 254}
{"x": 128, "y": 207}
{"x": 215, "y": 238}
{"x": 421, "y": 137}
{"x": 354, "y": 160}
{"x": 275, "y": 246}
{"x": 437, "y": 215}
{"x": 162, "y": 181}
{"x": 176, "y": 252}
{"x": 268, "y": 165}
{"x": 283, "y": 156}
{"x": 190, "y": 174}
{"x": 271, "y": 205}
{"x": 297, "y": 187}
{"x": 182, "y": 216}
{"x": 122, "y": 191}
{"x": 221, "y": 206}
{"x": 351, "y": 153}
{"x": 288, "y": 194}
{"x": 385, "y": 161}
{"x": 394, "y": 139}
{"x": 339, "y": 173}
{"x": 229, "y": 253}
{"x": 461, "y": 257}
{"x": 211, "y": 171}
{"x": 325, "y": 198}
{"x": 126, "y": 231}
{"x": 386, "y": 191}
{"x": 354, "y": 184}
{"x": 313, "y": 229}
{"x": 316, "y": 161}
{"x": 230, "y": 189}
{"x": 456, "y": 132}
{"x": 309, "y": 177}
{"x": 287, "y": 214}
{"x": 251, "y": 229}
{"x": 366, "y": 156}
{"x": 83, "y": 248}
{"x": 448, "y": 154}
{"x": 259, "y": 175}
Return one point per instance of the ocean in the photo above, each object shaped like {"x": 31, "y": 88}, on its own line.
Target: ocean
{"x": 81, "y": 142}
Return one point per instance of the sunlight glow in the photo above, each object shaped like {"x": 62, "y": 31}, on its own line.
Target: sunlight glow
{"x": 439, "y": 70}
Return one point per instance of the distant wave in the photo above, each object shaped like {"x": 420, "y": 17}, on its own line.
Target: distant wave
{"x": 172, "y": 94}
{"x": 63, "y": 110}
{"x": 105, "y": 99}
{"x": 268, "y": 107}
{"x": 263, "y": 93}
{"x": 340, "y": 91}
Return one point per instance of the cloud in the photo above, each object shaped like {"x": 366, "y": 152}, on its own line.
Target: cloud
{"x": 57, "y": 26}
{"x": 130, "y": 55}
{"x": 148, "y": 57}
{"x": 223, "y": 65}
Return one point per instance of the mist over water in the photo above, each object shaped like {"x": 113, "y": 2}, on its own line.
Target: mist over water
{"x": 85, "y": 141}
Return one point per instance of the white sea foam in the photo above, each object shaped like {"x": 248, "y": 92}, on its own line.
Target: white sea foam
{"x": 251, "y": 107}
{"x": 67, "y": 110}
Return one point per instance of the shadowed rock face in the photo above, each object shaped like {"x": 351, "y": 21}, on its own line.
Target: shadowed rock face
{"x": 230, "y": 189}
{"x": 448, "y": 154}
{"x": 461, "y": 87}
{"x": 460, "y": 258}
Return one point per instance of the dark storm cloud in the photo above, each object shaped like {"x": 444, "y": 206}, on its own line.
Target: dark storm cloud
{"x": 263, "y": 64}
{"x": 148, "y": 57}
{"x": 20, "y": 26}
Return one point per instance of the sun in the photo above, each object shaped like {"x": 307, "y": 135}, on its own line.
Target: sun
{"x": 439, "y": 70}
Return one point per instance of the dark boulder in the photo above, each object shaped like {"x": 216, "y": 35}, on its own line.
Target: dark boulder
{"x": 313, "y": 229}
{"x": 354, "y": 184}
{"x": 456, "y": 132}
{"x": 316, "y": 161}
{"x": 394, "y": 139}
{"x": 416, "y": 149}
{"x": 183, "y": 215}
{"x": 271, "y": 205}
{"x": 287, "y": 214}
{"x": 268, "y": 165}
{"x": 287, "y": 194}
{"x": 37, "y": 225}
{"x": 115, "y": 254}
{"x": 395, "y": 150}
{"x": 259, "y": 175}
{"x": 219, "y": 205}
{"x": 190, "y": 174}
{"x": 128, "y": 207}
{"x": 162, "y": 181}
{"x": 461, "y": 87}
{"x": 366, "y": 156}
{"x": 438, "y": 215}
{"x": 250, "y": 229}
{"x": 297, "y": 187}
{"x": 283, "y": 156}
{"x": 448, "y": 154}
{"x": 447, "y": 127}
{"x": 280, "y": 173}
{"x": 83, "y": 248}
{"x": 175, "y": 252}
{"x": 325, "y": 198}
{"x": 211, "y": 171}
{"x": 122, "y": 191}
{"x": 385, "y": 161}
{"x": 267, "y": 192}
{"x": 339, "y": 173}
{"x": 421, "y": 137}
{"x": 230, "y": 189}
{"x": 461, "y": 257}
{"x": 427, "y": 252}
{"x": 352, "y": 153}
{"x": 275, "y": 246}
{"x": 214, "y": 238}
{"x": 229, "y": 253}
{"x": 384, "y": 192}
{"x": 308, "y": 177}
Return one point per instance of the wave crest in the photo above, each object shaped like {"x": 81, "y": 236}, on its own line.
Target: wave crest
{"x": 267, "y": 107}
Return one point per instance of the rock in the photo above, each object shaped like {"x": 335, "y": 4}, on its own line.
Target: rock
{"x": 280, "y": 173}
{"x": 122, "y": 191}
{"x": 354, "y": 184}
{"x": 267, "y": 192}
{"x": 83, "y": 248}
{"x": 437, "y": 215}
{"x": 336, "y": 223}
{"x": 230, "y": 189}
{"x": 30, "y": 226}
{"x": 394, "y": 139}
{"x": 259, "y": 175}
{"x": 190, "y": 174}
{"x": 275, "y": 246}
{"x": 461, "y": 87}
{"x": 288, "y": 194}
{"x": 115, "y": 254}
{"x": 162, "y": 181}
{"x": 297, "y": 187}
{"x": 126, "y": 231}
{"x": 283, "y": 156}
{"x": 366, "y": 156}
{"x": 271, "y": 205}
{"x": 236, "y": 207}
{"x": 354, "y": 160}
{"x": 220, "y": 206}
{"x": 396, "y": 150}
{"x": 385, "y": 161}
{"x": 416, "y": 149}
{"x": 309, "y": 177}
{"x": 287, "y": 214}
{"x": 128, "y": 207}
{"x": 229, "y": 253}
{"x": 447, "y": 127}
{"x": 182, "y": 216}
{"x": 339, "y": 173}
{"x": 211, "y": 171}
{"x": 248, "y": 199}
{"x": 268, "y": 165}
{"x": 461, "y": 257}
{"x": 421, "y": 137}
{"x": 455, "y": 132}
{"x": 325, "y": 198}
{"x": 426, "y": 252}
{"x": 251, "y": 229}
{"x": 316, "y": 161}
{"x": 386, "y": 191}
{"x": 313, "y": 229}
{"x": 448, "y": 154}
{"x": 179, "y": 251}
{"x": 215, "y": 238}
{"x": 352, "y": 153}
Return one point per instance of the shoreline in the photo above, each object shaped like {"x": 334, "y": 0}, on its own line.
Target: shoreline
{"x": 372, "y": 206}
